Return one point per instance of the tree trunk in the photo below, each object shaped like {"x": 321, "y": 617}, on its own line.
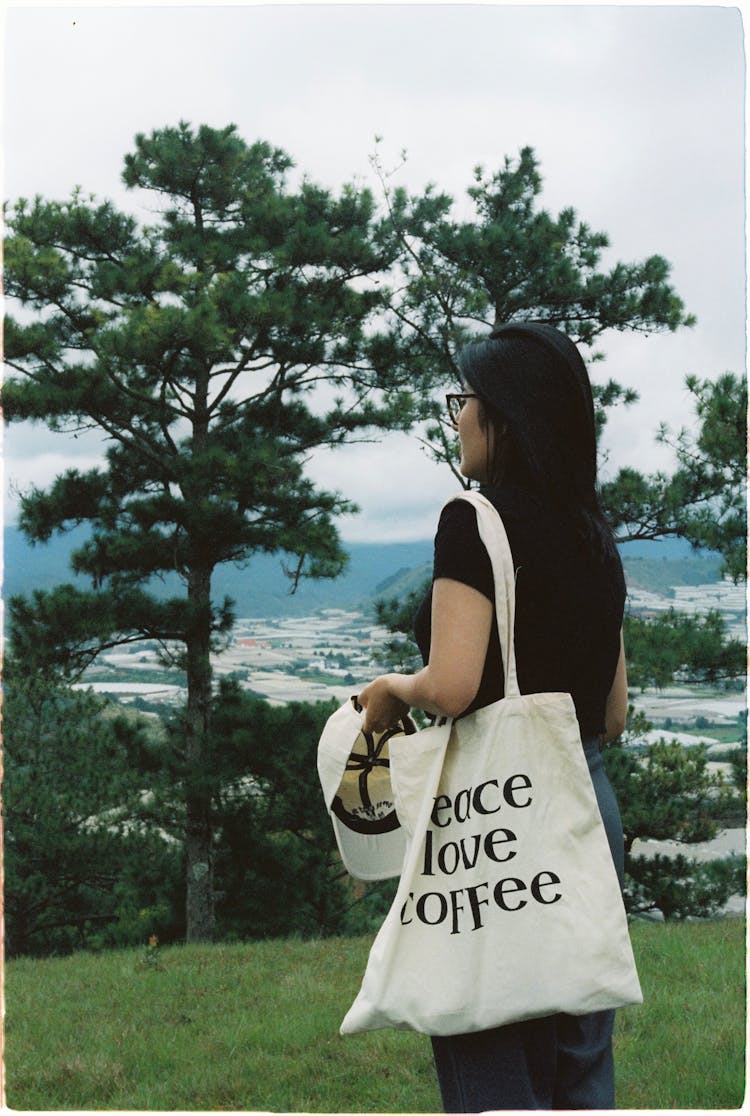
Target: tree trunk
{"x": 199, "y": 907}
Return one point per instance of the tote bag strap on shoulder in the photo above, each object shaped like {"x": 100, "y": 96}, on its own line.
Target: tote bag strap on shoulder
{"x": 493, "y": 535}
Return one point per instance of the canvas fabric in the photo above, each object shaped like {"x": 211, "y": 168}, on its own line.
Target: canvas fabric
{"x": 508, "y": 907}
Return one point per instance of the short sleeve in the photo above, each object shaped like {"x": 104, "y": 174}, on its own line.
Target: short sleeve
{"x": 460, "y": 554}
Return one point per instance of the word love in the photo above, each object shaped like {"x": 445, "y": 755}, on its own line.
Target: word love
{"x": 447, "y": 853}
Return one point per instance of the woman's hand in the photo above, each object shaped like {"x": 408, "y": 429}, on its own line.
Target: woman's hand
{"x": 382, "y": 708}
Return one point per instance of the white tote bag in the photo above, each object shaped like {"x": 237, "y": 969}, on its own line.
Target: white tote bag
{"x": 508, "y": 906}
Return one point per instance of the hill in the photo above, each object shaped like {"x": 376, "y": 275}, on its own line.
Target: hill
{"x": 260, "y": 588}
{"x": 662, "y": 549}
{"x": 660, "y": 575}
{"x": 404, "y": 581}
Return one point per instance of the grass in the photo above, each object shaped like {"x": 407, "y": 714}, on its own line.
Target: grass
{"x": 255, "y": 1027}
{"x": 685, "y": 1047}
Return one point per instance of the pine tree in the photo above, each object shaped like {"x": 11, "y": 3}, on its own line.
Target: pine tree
{"x": 704, "y": 500}
{"x": 84, "y": 859}
{"x": 214, "y": 349}
{"x": 277, "y": 872}
{"x": 667, "y": 792}
{"x": 511, "y": 259}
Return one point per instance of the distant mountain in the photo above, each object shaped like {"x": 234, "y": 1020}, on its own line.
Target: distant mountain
{"x": 404, "y": 581}
{"x": 661, "y": 575}
{"x": 658, "y": 565}
{"x": 260, "y": 588}
{"x": 662, "y": 548}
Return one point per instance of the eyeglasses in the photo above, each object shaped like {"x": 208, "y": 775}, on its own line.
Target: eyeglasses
{"x": 455, "y": 403}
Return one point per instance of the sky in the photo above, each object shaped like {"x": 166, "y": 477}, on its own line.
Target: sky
{"x": 636, "y": 115}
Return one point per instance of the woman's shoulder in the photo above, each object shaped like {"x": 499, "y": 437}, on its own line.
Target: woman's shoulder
{"x": 457, "y": 524}
{"x": 457, "y": 521}
{"x": 460, "y": 553}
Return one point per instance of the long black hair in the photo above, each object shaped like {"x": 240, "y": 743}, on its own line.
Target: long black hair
{"x": 535, "y": 392}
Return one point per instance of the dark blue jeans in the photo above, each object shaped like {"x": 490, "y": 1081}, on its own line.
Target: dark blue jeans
{"x": 561, "y": 1061}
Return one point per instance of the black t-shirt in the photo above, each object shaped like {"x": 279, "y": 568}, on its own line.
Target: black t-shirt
{"x": 569, "y": 602}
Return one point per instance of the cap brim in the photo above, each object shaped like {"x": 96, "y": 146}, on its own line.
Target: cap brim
{"x": 370, "y": 856}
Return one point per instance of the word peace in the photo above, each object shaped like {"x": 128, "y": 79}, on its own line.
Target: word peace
{"x": 480, "y": 800}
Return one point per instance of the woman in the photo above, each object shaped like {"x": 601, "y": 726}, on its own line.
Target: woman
{"x": 526, "y": 427}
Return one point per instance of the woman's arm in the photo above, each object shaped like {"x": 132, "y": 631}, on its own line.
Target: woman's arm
{"x": 616, "y": 710}
{"x": 461, "y": 624}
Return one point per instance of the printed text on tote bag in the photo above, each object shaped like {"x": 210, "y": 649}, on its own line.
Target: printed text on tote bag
{"x": 464, "y": 908}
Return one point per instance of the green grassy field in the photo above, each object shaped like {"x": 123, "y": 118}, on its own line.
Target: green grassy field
{"x": 255, "y": 1026}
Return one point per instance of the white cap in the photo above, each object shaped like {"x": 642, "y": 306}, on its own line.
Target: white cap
{"x": 354, "y": 772}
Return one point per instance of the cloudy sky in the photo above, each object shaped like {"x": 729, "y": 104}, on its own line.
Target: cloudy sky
{"x": 635, "y": 113}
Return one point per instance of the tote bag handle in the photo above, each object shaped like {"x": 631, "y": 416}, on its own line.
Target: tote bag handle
{"x": 493, "y": 535}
